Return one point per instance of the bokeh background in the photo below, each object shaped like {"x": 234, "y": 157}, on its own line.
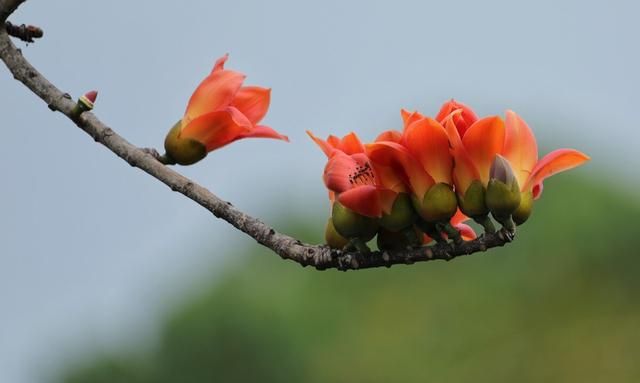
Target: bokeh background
{"x": 106, "y": 275}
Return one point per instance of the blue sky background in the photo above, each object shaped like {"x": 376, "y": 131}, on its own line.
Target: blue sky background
{"x": 92, "y": 252}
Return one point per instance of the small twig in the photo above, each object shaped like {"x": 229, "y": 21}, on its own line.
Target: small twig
{"x": 320, "y": 257}
{"x": 23, "y": 32}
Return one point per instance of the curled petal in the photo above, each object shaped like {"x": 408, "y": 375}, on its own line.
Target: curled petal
{"x": 389, "y": 135}
{"x": 349, "y": 144}
{"x": 554, "y": 162}
{"x": 214, "y": 93}
{"x": 343, "y": 172}
{"x": 253, "y": 102}
{"x": 463, "y": 119}
{"x": 327, "y": 146}
{"x": 482, "y": 141}
{"x": 398, "y": 158}
{"x": 263, "y": 131}
{"x": 219, "y": 65}
{"x": 428, "y": 142}
{"x": 520, "y": 147}
{"x": 409, "y": 118}
{"x": 368, "y": 200}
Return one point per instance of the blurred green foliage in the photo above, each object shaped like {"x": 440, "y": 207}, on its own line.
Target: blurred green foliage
{"x": 559, "y": 304}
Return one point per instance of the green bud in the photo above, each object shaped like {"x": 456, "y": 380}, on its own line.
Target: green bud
{"x": 333, "y": 238}
{"x": 439, "y": 203}
{"x": 350, "y": 224}
{"x": 402, "y": 214}
{"x": 472, "y": 203}
{"x": 184, "y": 151}
{"x": 522, "y": 213}
{"x": 398, "y": 240}
{"x": 503, "y": 192}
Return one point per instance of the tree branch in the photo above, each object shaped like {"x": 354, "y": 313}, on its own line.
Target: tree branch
{"x": 321, "y": 257}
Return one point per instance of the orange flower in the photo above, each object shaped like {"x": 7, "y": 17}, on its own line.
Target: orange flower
{"x": 219, "y": 112}
{"x": 476, "y": 149}
{"x": 352, "y": 180}
{"x": 421, "y": 156}
{"x": 462, "y": 120}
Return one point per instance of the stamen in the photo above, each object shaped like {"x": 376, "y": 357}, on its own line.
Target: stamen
{"x": 363, "y": 175}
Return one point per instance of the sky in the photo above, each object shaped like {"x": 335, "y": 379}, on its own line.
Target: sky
{"x": 93, "y": 252}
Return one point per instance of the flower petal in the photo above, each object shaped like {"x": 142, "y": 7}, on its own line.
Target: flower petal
{"x": 339, "y": 171}
{"x": 409, "y": 118}
{"x": 263, "y": 131}
{"x": 214, "y": 129}
{"x": 464, "y": 171}
{"x": 397, "y": 157}
{"x": 219, "y": 65}
{"x": 520, "y": 147}
{"x": 554, "y": 162}
{"x": 428, "y": 142}
{"x": 462, "y": 120}
{"x": 253, "y": 102}
{"x": 389, "y": 135}
{"x": 368, "y": 200}
{"x": 214, "y": 93}
{"x": 466, "y": 231}
{"x": 482, "y": 141}
{"x": 326, "y": 146}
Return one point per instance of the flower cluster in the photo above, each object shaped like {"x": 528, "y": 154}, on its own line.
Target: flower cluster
{"x": 420, "y": 184}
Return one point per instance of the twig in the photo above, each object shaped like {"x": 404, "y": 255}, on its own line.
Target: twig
{"x": 320, "y": 257}
{"x": 26, "y": 33}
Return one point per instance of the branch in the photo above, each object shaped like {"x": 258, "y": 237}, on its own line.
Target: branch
{"x": 319, "y": 256}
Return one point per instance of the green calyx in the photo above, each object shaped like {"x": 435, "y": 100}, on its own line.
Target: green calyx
{"x": 333, "y": 239}
{"x": 402, "y": 214}
{"x": 350, "y": 224}
{"x": 438, "y": 204}
{"x": 472, "y": 203}
{"x": 398, "y": 240}
{"x": 502, "y": 199}
{"x": 522, "y": 213}
{"x": 184, "y": 151}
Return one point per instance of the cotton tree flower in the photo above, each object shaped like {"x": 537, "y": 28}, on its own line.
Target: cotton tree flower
{"x": 491, "y": 141}
{"x": 219, "y": 112}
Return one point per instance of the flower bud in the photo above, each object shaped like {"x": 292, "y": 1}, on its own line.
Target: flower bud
{"x": 503, "y": 192}
{"x": 398, "y": 240}
{"x": 350, "y": 224}
{"x": 184, "y": 151}
{"x": 85, "y": 103}
{"x": 402, "y": 214}
{"x": 522, "y": 213}
{"x": 439, "y": 203}
{"x": 472, "y": 203}
{"x": 333, "y": 238}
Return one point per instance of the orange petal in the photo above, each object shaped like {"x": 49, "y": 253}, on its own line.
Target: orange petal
{"x": 466, "y": 231}
{"x": 263, "y": 131}
{"x": 462, "y": 120}
{"x": 219, "y": 65}
{"x": 214, "y": 129}
{"x": 554, "y": 162}
{"x": 214, "y": 93}
{"x": 351, "y": 144}
{"x": 368, "y": 200}
{"x": 397, "y": 157}
{"x": 459, "y": 217}
{"x": 326, "y": 146}
{"x": 428, "y": 142}
{"x": 464, "y": 171}
{"x": 482, "y": 141}
{"x": 389, "y": 178}
{"x": 253, "y": 102}
{"x": 409, "y": 118}
{"x": 343, "y": 172}
{"x": 389, "y": 135}
{"x": 520, "y": 147}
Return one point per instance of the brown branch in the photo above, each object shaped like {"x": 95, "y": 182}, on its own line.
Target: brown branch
{"x": 320, "y": 257}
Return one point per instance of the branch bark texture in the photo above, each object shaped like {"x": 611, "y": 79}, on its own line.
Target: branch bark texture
{"x": 319, "y": 256}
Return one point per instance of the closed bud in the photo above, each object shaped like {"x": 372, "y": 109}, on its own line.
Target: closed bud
{"x": 333, "y": 239}
{"x": 503, "y": 191}
{"x": 350, "y": 224}
{"x": 522, "y": 213}
{"x": 184, "y": 151}
{"x": 402, "y": 214}
{"x": 439, "y": 203}
{"x": 472, "y": 202}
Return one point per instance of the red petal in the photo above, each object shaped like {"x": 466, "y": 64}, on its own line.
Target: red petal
{"x": 253, "y": 102}
{"x": 464, "y": 171}
{"x": 554, "y": 162}
{"x": 398, "y": 158}
{"x": 368, "y": 200}
{"x": 340, "y": 168}
{"x": 409, "y": 118}
{"x": 428, "y": 142}
{"x": 389, "y": 135}
{"x": 482, "y": 141}
{"x": 520, "y": 147}
{"x": 326, "y": 147}
{"x": 219, "y": 65}
{"x": 462, "y": 120}
{"x": 263, "y": 131}
{"x": 214, "y": 93}
{"x": 214, "y": 129}
{"x": 466, "y": 231}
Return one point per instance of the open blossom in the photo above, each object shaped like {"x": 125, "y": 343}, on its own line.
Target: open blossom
{"x": 352, "y": 180}
{"x": 219, "y": 112}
